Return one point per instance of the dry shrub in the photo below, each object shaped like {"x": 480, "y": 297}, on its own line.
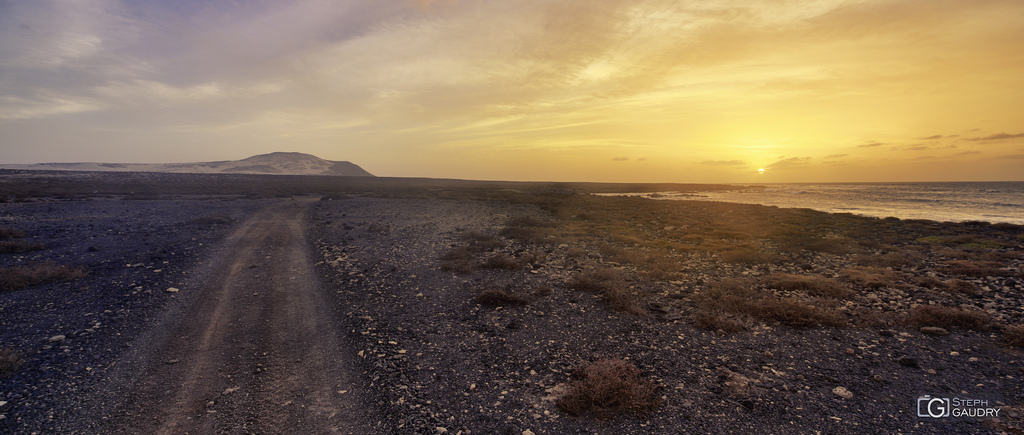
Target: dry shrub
{"x": 747, "y": 255}
{"x": 740, "y": 297}
{"x": 962, "y": 286}
{"x": 974, "y": 268}
{"x": 10, "y": 233}
{"x": 20, "y": 277}
{"x": 609, "y": 284}
{"x": 15, "y": 246}
{"x": 528, "y": 229}
{"x": 892, "y": 259}
{"x": 481, "y": 241}
{"x": 214, "y": 219}
{"x": 500, "y": 298}
{"x": 609, "y": 387}
{"x": 1014, "y": 336}
{"x": 947, "y": 317}
{"x": 831, "y": 245}
{"x": 870, "y": 277}
{"x": 715, "y": 322}
{"x": 502, "y": 261}
{"x": 814, "y": 285}
{"x": 10, "y": 360}
{"x": 794, "y": 312}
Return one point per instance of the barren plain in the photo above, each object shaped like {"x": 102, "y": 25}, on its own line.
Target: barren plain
{"x": 139, "y": 303}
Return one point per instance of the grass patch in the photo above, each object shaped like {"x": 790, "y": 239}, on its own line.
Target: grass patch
{"x": 813, "y": 285}
{"x": 609, "y": 387}
{"x": 739, "y": 296}
{"x": 976, "y": 269}
{"x": 19, "y": 277}
{"x": 10, "y": 233}
{"x": 213, "y": 219}
{"x": 609, "y": 284}
{"x": 949, "y": 317}
{"x": 15, "y": 246}
{"x": 500, "y": 298}
{"x": 1014, "y": 336}
{"x": 10, "y": 360}
{"x": 870, "y": 277}
{"x": 717, "y": 322}
{"x": 501, "y": 261}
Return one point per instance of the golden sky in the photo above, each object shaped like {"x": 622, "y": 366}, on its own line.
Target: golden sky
{"x": 559, "y": 90}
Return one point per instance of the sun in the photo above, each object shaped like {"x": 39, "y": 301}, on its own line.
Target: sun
{"x": 760, "y": 171}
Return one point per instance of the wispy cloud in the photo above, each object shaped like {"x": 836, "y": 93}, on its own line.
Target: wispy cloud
{"x": 724, "y": 163}
{"x": 997, "y": 137}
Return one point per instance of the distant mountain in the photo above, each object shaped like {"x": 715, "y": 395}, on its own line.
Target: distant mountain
{"x": 272, "y": 164}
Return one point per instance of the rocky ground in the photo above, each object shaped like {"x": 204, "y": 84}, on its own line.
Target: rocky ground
{"x": 441, "y": 362}
{"x": 473, "y": 310}
{"x": 69, "y": 335}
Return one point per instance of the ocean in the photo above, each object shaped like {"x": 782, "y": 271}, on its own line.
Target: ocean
{"x": 945, "y": 202}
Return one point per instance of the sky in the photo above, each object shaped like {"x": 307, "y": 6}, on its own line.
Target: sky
{"x": 540, "y": 90}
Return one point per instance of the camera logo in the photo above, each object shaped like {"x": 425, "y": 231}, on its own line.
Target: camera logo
{"x": 934, "y": 407}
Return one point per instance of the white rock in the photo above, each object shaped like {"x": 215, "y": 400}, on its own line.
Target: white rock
{"x": 57, "y": 338}
{"x": 842, "y": 392}
{"x": 172, "y": 290}
{"x": 527, "y": 432}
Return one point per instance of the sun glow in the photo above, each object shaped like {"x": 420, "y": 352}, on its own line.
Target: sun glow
{"x": 760, "y": 171}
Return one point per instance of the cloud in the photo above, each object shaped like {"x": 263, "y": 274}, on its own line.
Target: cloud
{"x": 835, "y": 156}
{"x": 790, "y": 163}
{"x": 724, "y": 163}
{"x": 871, "y": 145}
{"x": 44, "y": 105}
{"x": 995, "y": 137}
{"x": 620, "y": 159}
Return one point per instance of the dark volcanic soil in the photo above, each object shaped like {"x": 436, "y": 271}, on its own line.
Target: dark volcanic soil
{"x": 440, "y": 360}
{"x": 294, "y": 314}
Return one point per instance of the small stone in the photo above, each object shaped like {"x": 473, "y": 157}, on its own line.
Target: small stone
{"x": 878, "y": 378}
{"x": 842, "y": 392}
{"x": 973, "y": 359}
{"x": 850, "y": 351}
{"x": 57, "y": 338}
{"x": 171, "y": 362}
{"x": 230, "y": 390}
{"x": 527, "y": 432}
{"x": 931, "y": 372}
{"x": 440, "y": 429}
{"x": 954, "y": 353}
{"x": 907, "y": 361}
{"x": 172, "y": 290}
{"x": 342, "y": 391}
{"x": 934, "y": 330}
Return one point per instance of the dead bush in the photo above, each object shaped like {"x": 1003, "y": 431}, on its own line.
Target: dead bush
{"x": 796, "y": 313}
{"x": 976, "y": 269}
{"x": 502, "y": 261}
{"x": 500, "y": 298}
{"x": 892, "y": 259}
{"x": 10, "y": 233}
{"x": 10, "y": 360}
{"x": 949, "y": 317}
{"x": 481, "y": 241}
{"x": 716, "y": 322}
{"x": 15, "y": 246}
{"x": 1014, "y": 335}
{"x": 739, "y": 296}
{"x": 813, "y": 285}
{"x": 609, "y": 284}
{"x": 19, "y": 277}
{"x": 609, "y": 387}
{"x": 870, "y": 277}
{"x": 214, "y": 219}
{"x": 750, "y": 256}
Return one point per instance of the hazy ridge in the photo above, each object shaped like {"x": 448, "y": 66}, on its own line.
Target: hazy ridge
{"x": 278, "y": 163}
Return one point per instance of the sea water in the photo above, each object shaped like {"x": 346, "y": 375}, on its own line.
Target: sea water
{"x": 945, "y": 202}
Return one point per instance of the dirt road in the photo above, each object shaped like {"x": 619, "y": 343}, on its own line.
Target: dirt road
{"x": 255, "y": 350}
